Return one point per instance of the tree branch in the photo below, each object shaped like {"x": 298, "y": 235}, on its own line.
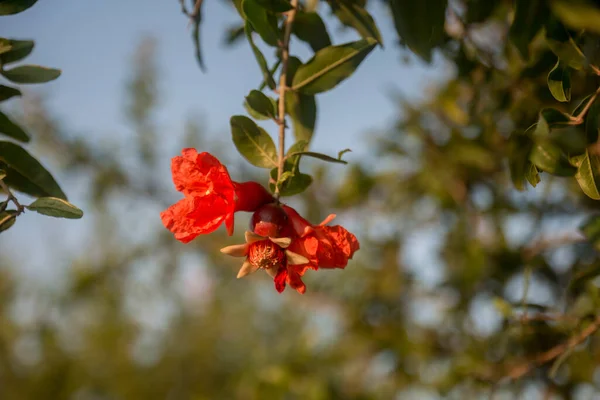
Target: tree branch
{"x": 521, "y": 370}
{"x": 285, "y": 54}
{"x": 11, "y": 197}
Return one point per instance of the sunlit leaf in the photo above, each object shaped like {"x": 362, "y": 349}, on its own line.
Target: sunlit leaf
{"x": 577, "y": 15}
{"x": 563, "y": 46}
{"x": 588, "y": 174}
{"x": 330, "y": 66}
{"x": 253, "y": 143}
{"x": 54, "y": 207}
{"x": 548, "y": 157}
{"x": 262, "y": 104}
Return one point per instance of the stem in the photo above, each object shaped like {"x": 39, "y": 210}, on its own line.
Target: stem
{"x": 285, "y": 54}
{"x": 579, "y": 118}
{"x": 12, "y": 198}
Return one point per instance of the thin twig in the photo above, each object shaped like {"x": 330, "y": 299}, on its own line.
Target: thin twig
{"x": 11, "y": 197}
{"x": 579, "y": 118}
{"x": 191, "y": 15}
{"x": 285, "y": 54}
{"x": 547, "y": 356}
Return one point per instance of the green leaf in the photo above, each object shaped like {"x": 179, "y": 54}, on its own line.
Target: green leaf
{"x": 276, "y": 6}
{"x": 7, "y": 219}
{"x": 12, "y": 50}
{"x": 583, "y": 104}
{"x": 559, "y": 82}
{"x": 591, "y": 122}
{"x": 548, "y": 157}
{"x": 330, "y": 66}
{"x": 420, "y": 24}
{"x": 549, "y": 118}
{"x": 591, "y": 230}
{"x": 260, "y": 59}
{"x": 31, "y": 74}
{"x": 530, "y": 16}
{"x": 588, "y": 174}
{"x": 342, "y": 152}
{"x": 577, "y": 15}
{"x": 11, "y": 129}
{"x": 233, "y": 34}
{"x": 295, "y": 182}
{"x": 351, "y": 14}
{"x": 54, "y": 207}
{"x": 561, "y": 43}
{"x": 310, "y": 28}
{"x": 9, "y": 7}
{"x": 303, "y": 112}
{"x": 520, "y": 146}
{"x": 26, "y": 174}
{"x": 7, "y": 92}
{"x": 320, "y": 156}
{"x": 261, "y": 104}
{"x": 263, "y": 22}
{"x": 532, "y": 174}
{"x": 253, "y": 142}
{"x": 480, "y": 10}
{"x": 2, "y": 174}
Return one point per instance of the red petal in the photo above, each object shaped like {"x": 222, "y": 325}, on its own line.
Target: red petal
{"x": 336, "y": 246}
{"x": 249, "y": 196}
{"x": 280, "y": 279}
{"x": 294, "y": 280}
{"x": 199, "y": 174}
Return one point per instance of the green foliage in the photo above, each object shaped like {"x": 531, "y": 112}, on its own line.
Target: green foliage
{"x": 54, "y": 207}
{"x": 310, "y": 28}
{"x": 9, "y": 7}
{"x": 262, "y": 106}
{"x": 559, "y": 82}
{"x": 253, "y": 142}
{"x": 352, "y": 14}
{"x": 30, "y": 74}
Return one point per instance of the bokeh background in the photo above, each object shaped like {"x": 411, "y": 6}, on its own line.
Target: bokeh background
{"x": 112, "y": 307}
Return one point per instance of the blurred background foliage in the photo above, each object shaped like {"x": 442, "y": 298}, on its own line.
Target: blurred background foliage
{"x": 461, "y": 279}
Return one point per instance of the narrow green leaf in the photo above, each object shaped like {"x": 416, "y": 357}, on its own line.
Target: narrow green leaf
{"x": 7, "y": 92}
{"x": 577, "y": 15}
{"x": 420, "y": 24}
{"x": 26, "y": 174}
{"x": 253, "y": 142}
{"x": 275, "y": 6}
{"x": 310, "y": 28}
{"x": 7, "y": 219}
{"x": 12, "y": 50}
{"x": 260, "y": 59}
{"x": 532, "y": 174}
{"x": 234, "y": 34}
{"x": 31, "y": 74}
{"x": 196, "y": 39}
{"x": 330, "y": 66}
{"x": 11, "y": 129}
{"x": 303, "y": 112}
{"x": 588, "y": 174}
{"x": 54, "y": 207}
{"x": 352, "y": 14}
{"x": 262, "y": 104}
{"x": 263, "y": 22}
{"x": 559, "y": 82}
{"x": 320, "y": 156}
{"x": 530, "y": 16}
{"x": 342, "y": 152}
{"x": 9, "y": 7}
{"x": 548, "y": 157}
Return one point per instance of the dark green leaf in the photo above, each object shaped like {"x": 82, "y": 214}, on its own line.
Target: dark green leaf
{"x": 354, "y": 15}
{"x": 31, "y": 74}
{"x": 559, "y": 82}
{"x": 7, "y": 219}
{"x": 262, "y": 104}
{"x": 26, "y": 174}
{"x": 260, "y": 59}
{"x": 14, "y": 50}
{"x": 276, "y": 6}
{"x": 234, "y": 34}
{"x": 563, "y": 46}
{"x": 11, "y": 129}
{"x": 480, "y": 10}
{"x": 591, "y": 230}
{"x": 8, "y": 7}
{"x": 420, "y": 24}
{"x": 342, "y": 152}
{"x": 571, "y": 139}
{"x": 588, "y": 174}
{"x": 296, "y": 182}
{"x": 577, "y": 15}
{"x": 309, "y": 28}
{"x": 530, "y": 16}
{"x": 320, "y": 156}
{"x": 303, "y": 112}
{"x": 253, "y": 143}
{"x": 591, "y": 122}
{"x": 263, "y": 22}
{"x": 548, "y": 157}
{"x": 6, "y": 92}
{"x": 330, "y": 66}
{"x": 549, "y": 118}
{"x": 520, "y": 146}
{"x": 54, "y": 207}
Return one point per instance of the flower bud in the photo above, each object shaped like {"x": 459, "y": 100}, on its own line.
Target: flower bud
{"x": 268, "y": 220}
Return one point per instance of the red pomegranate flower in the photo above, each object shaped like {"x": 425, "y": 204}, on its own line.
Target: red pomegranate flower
{"x": 211, "y": 197}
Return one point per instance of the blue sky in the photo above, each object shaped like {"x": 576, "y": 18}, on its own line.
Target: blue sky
{"x": 93, "y": 43}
